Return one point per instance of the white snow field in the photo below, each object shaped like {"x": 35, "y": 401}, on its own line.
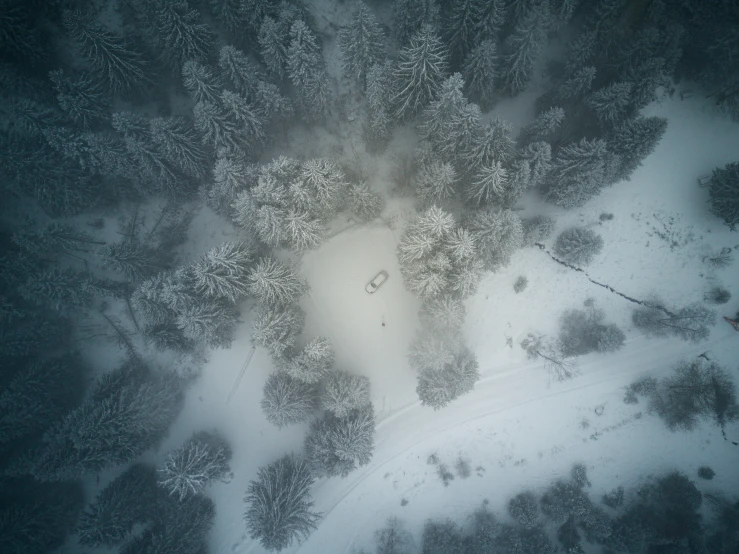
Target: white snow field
{"x": 518, "y": 429}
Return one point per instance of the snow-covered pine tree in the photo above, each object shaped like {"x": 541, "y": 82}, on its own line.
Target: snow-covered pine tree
{"x": 52, "y": 240}
{"x": 582, "y": 51}
{"x": 276, "y": 328}
{"x": 126, "y": 414}
{"x": 578, "y": 245}
{"x": 249, "y": 122}
{"x": 275, "y": 107}
{"x": 343, "y": 393}
{"x": 302, "y": 231}
{"x": 633, "y": 140}
{"x": 313, "y": 362}
{"x": 480, "y": 72}
{"x": 304, "y": 59}
{"x": 723, "y": 189}
{"x": 539, "y": 157}
{"x": 410, "y": 15}
{"x": 492, "y": 144}
{"x": 38, "y": 395}
{"x": 612, "y": 103}
{"x": 201, "y": 82}
{"x": 273, "y": 46}
{"x": 444, "y": 313}
{"x": 273, "y": 283}
{"x": 150, "y": 303}
{"x": 574, "y": 89}
{"x": 379, "y": 82}
{"x": 461, "y": 26}
{"x": 81, "y": 97}
{"x": 339, "y": 445}
{"x": 128, "y": 500}
{"x": 436, "y": 183}
{"x": 228, "y": 13}
{"x": 279, "y": 507}
{"x": 178, "y": 31}
{"x": 223, "y": 272}
{"x": 364, "y": 203}
{"x": 488, "y": 185}
{"x": 210, "y": 322}
{"x": 522, "y": 48}
{"x": 238, "y": 70}
{"x": 231, "y": 174}
{"x": 60, "y": 289}
{"x": 217, "y": 129}
{"x": 244, "y": 211}
{"x": 132, "y": 259}
{"x": 419, "y": 73}
{"x": 270, "y": 224}
{"x": 27, "y": 332}
{"x": 362, "y": 44}
{"x": 286, "y": 400}
{"x": 438, "y": 387}
{"x": 579, "y": 171}
{"x": 179, "y": 144}
{"x": 497, "y": 234}
{"x": 253, "y": 12}
{"x": 543, "y": 127}
{"x": 537, "y": 229}
{"x": 190, "y": 468}
{"x": 20, "y": 36}
{"x": 115, "y": 63}
{"x": 178, "y": 289}
{"x": 327, "y": 183}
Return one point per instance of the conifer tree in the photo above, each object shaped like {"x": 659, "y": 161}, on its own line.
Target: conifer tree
{"x": 270, "y": 224}
{"x": 231, "y": 174}
{"x": 200, "y": 82}
{"x": 492, "y": 144}
{"x": 339, "y": 445}
{"x": 539, "y": 157}
{"x": 419, "y": 73}
{"x": 279, "y": 506}
{"x": 125, "y": 502}
{"x": 362, "y": 44}
{"x": 364, "y": 203}
{"x": 578, "y": 245}
{"x": 115, "y": 63}
{"x": 287, "y": 400}
{"x": 437, "y": 386}
{"x": 436, "y": 183}
{"x": 81, "y": 97}
{"x": 379, "y": 83}
{"x": 543, "y": 127}
{"x": 224, "y": 272}
{"x": 633, "y": 140}
{"x": 52, "y": 240}
{"x": 574, "y": 89}
{"x": 131, "y": 259}
{"x": 60, "y": 289}
{"x": 210, "y": 322}
{"x": 273, "y": 46}
{"x": 723, "y": 189}
{"x": 410, "y": 15}
{"x": 150, "y": 303}
{"x": 190, "y": 468}
{"x": 20, "y": 37}
{"x": 488, "y": 185}
{"x": 523, "y": 47}
{"x": 306, "y": 70}
{"x": 274, "y": 283}
{"x": 217, "y": 129}
{"x": 344, "y": 393}
{"x": 326, "y": 181}
{"x": 178, "y": 31}
{"x": 445, "y": 313}
{"x": 313, "y": 362}
{"x": 480, "y": 72}
{"x": 243, "y": 74}
{"x": 461, "y": 26}
{"x": 179, "y": 144}
{"x": 249, "y": 122}
{"x": 497, "y": 235}
{"x": 276, "y": 328}
{"x": 611, "y": 103}
{"x": 228, "y": 13}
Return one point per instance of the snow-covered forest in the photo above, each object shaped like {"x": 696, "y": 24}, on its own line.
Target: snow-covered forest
{"x": 369, "y": 276}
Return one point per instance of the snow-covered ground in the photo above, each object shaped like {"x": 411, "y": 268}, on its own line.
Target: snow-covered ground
{"x": 518, "y": 429}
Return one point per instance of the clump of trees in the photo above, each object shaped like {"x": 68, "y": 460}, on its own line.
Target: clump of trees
{"x": 578, "y": 245}
{"x": 692, "y": 322}
{"x": 583, "y": 331}
{"x": 723, "y": 189}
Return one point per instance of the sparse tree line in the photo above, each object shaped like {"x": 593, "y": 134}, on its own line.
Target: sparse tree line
{"x": 661, "y": 514}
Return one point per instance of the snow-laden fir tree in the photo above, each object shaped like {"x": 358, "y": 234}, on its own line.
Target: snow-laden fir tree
{"x": 25, "y": 332}
{"x": 273, "y": 46}
{"x": 612, "y": 103}
{"x": 436, "y": 183}
{"x": 178, "y": 31}
{"x": 437, "y": 386}
{"x": 339, "y": 445}
{"x": 578, "y": 245}
{"x": 253, "y": 12}
{"x": 633, "y": 140}
{"x": 461, "y": 26}
{"x": 488, "y": 185}
{"x": 364, "y": 203}
{"x": 379, "y": 82}
{"x": 543, "y": 127}
{"x": 433, "y": 349}
{"x": 270, "y": 224}
{"x": 522, "y": 48}
{"x": 492, "y": 144}
{"x": 127, "y": 414}
{"x": 81, "y": 97}
{"x": 176, "y": 139}
{"x": 276, "y": 328}
{"x": 238, "y": 70}
{"x": 209, "y": 321}
{"x": 125, "y": 502}
{"x": 444, "y": 313}
{"x": 244, "y": 212}
{"x": 60, "y": 289}
{"x": 539, "y": 157}
{"x": 524, "y": 509}
{"x": 279, "y": 507}
{"x": 362, "y": 44}
{"x": 20, "y": 37}
{"x": 228, "y": 13}
{"x": 286, "y": 400}
{"x": 302, "y": 231}
{"x": 584, "y": 331}
{"x": 579, "y": 171}
{"x": 497, "y": 234}
{"x": 313, "y": 362}
{"x": 150, "y": 302}
{"x": 327, "y": 183}
{"x": 38, "y": 395}
{"x": 574, "y": 89}
{"x": 53, "y": 239}
{"x": 273, "y": 283}
{"x": 131, "y": 259}
{"x": 723, "y": 189}
{"x": 410, "y": 15}
{"x": 201, "y": 82}
{"x": 244, "y": 115}
{"x": 191, "y": 467}
{"x": 480, "y": 72}
{"x": 306, "y": 70}
{"x": 111, "y": 59}
{"x": 224, "y": 271}
{"x": 231, "y": 174}
{"x": 450, "y": 123}
{"x": 419, "y": 73}
{"x": 217, "y": 129}
{"x": 343, "y": 393}
{"x": 276, "y": 108}
{"x": 537, "y": 229}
